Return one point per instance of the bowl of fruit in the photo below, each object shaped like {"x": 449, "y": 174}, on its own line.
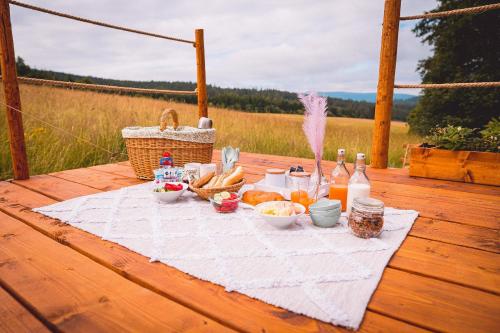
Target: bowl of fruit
{"x": 225, "y": 202}
{"x": 280, "y": 214}
{"x": 169, "y": 192}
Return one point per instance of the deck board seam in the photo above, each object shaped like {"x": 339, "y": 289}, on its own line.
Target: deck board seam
{"x": 26, "y": 305}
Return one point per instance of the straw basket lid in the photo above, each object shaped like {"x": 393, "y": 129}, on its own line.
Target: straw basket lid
{"x": 182, "y": 133}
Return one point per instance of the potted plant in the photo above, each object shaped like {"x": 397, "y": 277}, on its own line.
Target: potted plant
{"x": 459, "y": 154}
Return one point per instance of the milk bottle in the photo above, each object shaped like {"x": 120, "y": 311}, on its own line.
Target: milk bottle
{"x": 359, "y": 185}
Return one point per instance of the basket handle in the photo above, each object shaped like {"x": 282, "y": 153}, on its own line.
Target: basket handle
{"x": 164, "y": 117}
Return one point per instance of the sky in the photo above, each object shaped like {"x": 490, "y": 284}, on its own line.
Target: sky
{"x": 294, "y": 45}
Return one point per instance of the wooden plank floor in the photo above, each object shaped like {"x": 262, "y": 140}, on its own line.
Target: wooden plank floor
{"x": 53, "y": 277}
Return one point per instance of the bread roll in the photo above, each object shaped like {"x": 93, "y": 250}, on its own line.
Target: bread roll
{"x": 204, "y": 180}
{"x": 235, "y": 177}
{"x": 211, "y": 183}
{"x": 256, "y": 197}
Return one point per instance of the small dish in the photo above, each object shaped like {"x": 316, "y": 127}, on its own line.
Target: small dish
{"x": 280, "y": 222}
{"x": 170, "y": 196}
{"x": 227, "y": 205}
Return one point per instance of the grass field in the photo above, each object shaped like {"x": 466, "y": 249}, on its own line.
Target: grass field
{"x": 99, "y": 118}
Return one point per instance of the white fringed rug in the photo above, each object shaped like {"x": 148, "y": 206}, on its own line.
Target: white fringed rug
{"x": 327, "y": 274}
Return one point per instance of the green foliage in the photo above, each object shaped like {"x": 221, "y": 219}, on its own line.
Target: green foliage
{"x": 463, "y": 138}
{"x": 466, "y": 49}
{"x": 248, "y": 100}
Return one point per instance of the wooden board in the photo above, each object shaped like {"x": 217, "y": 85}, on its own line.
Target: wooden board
{"x": 76, "y": 294}
{"x": 444, "y": 277}
{"x": 204, "y": 297}
{"x": 464, "y": 166}
{"x": 14, "y": 318}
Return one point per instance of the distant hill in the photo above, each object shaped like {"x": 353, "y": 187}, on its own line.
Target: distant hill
{"x": 249, "y": 100}
{"x": 365, "y": 97}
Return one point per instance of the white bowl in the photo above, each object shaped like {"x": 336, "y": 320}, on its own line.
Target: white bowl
{"x": 170, "y": 196}
{"x": 280, "y": 222}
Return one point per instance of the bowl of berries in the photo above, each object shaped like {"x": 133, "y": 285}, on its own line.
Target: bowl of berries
{"x": 225, "y": 202}
{"x": 169, "y": 192}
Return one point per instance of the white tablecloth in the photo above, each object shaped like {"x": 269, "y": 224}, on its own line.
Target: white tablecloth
{"x": 327, "y": 274}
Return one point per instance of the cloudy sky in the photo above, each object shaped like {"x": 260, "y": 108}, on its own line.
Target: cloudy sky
{"x": 296, "y": 45}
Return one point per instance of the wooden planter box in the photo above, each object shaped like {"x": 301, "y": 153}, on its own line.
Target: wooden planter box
{"x": 463, "y": 166}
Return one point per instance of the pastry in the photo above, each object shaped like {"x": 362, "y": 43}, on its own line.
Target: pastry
{"x": 256, "y": 197}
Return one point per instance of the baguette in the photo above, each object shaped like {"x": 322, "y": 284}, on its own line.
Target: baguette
{"x": 219, "y": 181}
{"x": 235, "y": 177}
{"x": 212, "y": 182}
{"x": 204, "y": 180}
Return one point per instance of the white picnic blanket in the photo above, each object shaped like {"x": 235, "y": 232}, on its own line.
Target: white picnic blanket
{"x": 327, "y": 274}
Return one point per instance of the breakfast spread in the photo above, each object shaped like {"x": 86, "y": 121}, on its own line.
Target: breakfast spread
{"x": 270, "y": 195}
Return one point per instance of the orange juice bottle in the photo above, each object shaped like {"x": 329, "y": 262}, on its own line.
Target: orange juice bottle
{"x": 339, "y": 180}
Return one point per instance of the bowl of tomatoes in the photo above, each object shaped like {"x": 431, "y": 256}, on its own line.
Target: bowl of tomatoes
{"x": 169, "y": 192}
{"x": 225, "y": 202}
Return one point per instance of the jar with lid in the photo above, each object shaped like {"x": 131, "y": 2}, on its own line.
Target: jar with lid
{"x": 366, "y": 218}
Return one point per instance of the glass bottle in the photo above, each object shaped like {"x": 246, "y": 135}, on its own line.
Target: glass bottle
{"x": 359, "y": 185}
{"x": 339, "y": 180}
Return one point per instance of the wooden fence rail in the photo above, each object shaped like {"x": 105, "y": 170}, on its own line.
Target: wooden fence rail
{"x": 11, "y": 87}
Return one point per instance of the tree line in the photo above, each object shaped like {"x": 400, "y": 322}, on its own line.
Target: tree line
{"x": 248, "y": 100}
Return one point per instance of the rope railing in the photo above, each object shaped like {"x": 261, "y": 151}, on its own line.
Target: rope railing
{"x": 102, "y": 24}
{"x": 31, "y": 80}
{"x": 470, "y": 10}
{"x": 448, "y": 85}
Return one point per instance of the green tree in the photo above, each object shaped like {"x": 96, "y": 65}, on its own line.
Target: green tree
{"x": 466, "y": 49}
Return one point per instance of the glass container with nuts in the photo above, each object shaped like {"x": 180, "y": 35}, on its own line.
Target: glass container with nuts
{"x": 366, "y": 218}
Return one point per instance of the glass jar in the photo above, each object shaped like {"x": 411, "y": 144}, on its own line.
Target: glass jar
{"x": 366, "y": 218}
{"x": 300, "y": 189}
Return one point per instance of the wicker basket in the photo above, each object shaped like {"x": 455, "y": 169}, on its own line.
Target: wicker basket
{"x": 146, "y": 145}
{"x": 207, "y": 193}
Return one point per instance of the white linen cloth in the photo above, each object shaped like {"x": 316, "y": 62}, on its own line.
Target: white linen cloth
{"x": 327, "y": 274}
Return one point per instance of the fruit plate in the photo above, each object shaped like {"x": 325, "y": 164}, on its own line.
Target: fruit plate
{"x": 170, "y": 196}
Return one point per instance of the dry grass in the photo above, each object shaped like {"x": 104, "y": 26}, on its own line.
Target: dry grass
{"x": 99, "y": 117}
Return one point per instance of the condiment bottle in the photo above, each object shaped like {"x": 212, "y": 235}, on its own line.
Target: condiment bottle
{"x": 339, "y": 180}
{"x": 359, "y": 185}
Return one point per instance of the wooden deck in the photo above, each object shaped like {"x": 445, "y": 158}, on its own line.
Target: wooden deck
{"x": 445, "y": 277}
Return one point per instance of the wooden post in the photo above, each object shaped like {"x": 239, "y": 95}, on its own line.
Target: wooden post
{"x": 12, "y": 97}
{"x": 385, "y": 88}
{"x": 201, "y": 77}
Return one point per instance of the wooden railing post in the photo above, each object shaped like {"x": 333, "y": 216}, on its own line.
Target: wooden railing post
{"x": 385, "y": 88}
{"x": 12, "y": 97}
{"x": 201, "y": 77}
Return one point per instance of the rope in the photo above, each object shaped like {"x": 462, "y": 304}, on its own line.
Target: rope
{"x": 31, "y": 80}
{"x": 113, "y": 154}
{"x": 470, "y": 10}
{"x": 102, "y": 24}
{"x": 449, "y": 85}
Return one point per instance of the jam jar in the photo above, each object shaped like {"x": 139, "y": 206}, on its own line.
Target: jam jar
{"x": 366, "y": 218}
